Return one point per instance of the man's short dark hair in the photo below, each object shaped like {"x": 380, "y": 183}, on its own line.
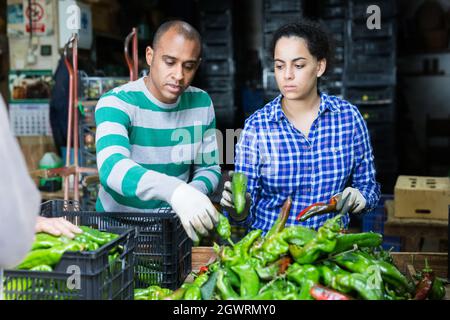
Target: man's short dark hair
{"x": 181, "y": 27}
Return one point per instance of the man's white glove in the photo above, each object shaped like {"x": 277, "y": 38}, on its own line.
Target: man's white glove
{"x": 195, "y": 210}
{"x": 227, "y": 201}
{"x": 355, "y": 200}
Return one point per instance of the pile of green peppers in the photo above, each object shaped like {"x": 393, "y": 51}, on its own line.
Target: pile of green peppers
{"x": 46, "y": 252}
{"x": 47, "y": 249}
{"x": 288, "y": 261}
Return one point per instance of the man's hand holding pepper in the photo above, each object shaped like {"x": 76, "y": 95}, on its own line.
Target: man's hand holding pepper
{"x": 195, "y": 210}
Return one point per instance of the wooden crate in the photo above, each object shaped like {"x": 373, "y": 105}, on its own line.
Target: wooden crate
{"x": 422, "y": 197}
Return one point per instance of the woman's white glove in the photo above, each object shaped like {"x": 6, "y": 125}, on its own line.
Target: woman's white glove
{"x": 355, "y": 202}
{"x": 195, "y": 210}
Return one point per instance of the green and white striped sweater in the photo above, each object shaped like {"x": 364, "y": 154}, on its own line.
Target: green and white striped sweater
{"x": 146, "y": 148}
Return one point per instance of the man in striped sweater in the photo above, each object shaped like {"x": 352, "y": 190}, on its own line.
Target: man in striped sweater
{"x": 156, "y": 139}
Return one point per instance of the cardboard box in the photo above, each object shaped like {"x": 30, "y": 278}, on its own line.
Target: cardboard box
{"x": 422, "y": 197}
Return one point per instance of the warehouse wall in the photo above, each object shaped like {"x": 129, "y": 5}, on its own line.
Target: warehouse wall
{"x": 424, "y": 87}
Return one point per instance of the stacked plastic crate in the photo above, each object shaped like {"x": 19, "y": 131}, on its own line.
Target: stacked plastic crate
{"x": 370, "y": 79}
{"x": 275, "y": 14}
{"x": 334, "y": 17}
{"x": 218, "y": 67}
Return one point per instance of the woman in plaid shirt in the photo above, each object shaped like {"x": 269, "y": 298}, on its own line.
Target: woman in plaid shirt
{"x": 304, "y": 144}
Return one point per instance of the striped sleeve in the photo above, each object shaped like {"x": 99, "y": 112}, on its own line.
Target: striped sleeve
{"x": 117, "y": 171}
{"x": 206, "y": 169}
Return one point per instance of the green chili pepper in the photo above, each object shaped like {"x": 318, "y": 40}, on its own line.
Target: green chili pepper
{"x": 249, "y": 279}
{"x": 177, "y": 294}
{"x": 306, "y": 276}
{"x": 193, "y": 293}
{"x": 361, "y": 262}
{"x": 298, "y": 235}
{"x": 224, "y": 286}
{"x": 42, "y": 267}
{"x": 367, "y": 239}
{"x": 44, "y": 240}
{"x": 48, "y": 256}
{"x": 239, "y": 190}
{"x": 278, "y": 226}
{"x": 224, "y": 227}
{"x": 97, "y": 236}
{"x": 324, "y": 242}
{"x": 437, "y": 290}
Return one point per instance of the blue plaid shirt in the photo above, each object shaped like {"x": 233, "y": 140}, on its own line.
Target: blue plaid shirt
{"x": 280, "y": 161}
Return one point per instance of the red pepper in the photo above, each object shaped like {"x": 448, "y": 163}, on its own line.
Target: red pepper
{"x": 283, "y": 264}
{"x": 319, "y": 292}
{"x": 203, "y": 269}
{"x": 423, "y": 288}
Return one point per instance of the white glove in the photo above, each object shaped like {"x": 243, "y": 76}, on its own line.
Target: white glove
{"x": 195, "y": 210}
{"x": 355, "y": 202}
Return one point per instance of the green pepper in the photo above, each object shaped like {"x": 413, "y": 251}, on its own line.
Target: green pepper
{"x": 239, "y": 190}
{"x": 249, "y": 279}
{"x": 324, "y": 242}
{"x": 224, "y": 286}
{"x": 48, "y": 256}
{"x": 232, "y": 277}
{"x": 306, "y": 276}
{"x": 361, "y": 262}
{"x": 278, "y": 226}
{"x": 42, "y": 267}
{"x": 241, "y": 249}
{"x": 45, "y": 240}
{"x": 437, "y": 290}
{"x": 224, "y": 228}
{"x": 343, "y": 281}
{"x": 177, "y": 294}
{"x": 298, "y": 235}
{"x": 97, "y": 236}
{"x": 367, "y": 239}
{"x": 193, "y": 293}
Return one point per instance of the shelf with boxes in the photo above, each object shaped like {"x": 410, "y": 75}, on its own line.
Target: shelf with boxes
{"x": 218, "y": 71}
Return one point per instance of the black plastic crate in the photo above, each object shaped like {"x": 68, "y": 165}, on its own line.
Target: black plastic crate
{"x": 358, "y": 9}
{"x": 216, "y": 20}
{"x": 218, "y": 67}
{"x": 217, "y": 51}
{"x": 283, "y": 6}
{"x": 222, "y": 99}
{"x": 334, "y": 12}
{"x": 220, "y": 84}
{"x": 378, "y": 113}
{"x": 387, "y": 78}
{"x": 100, "y": 279}
{"x": 360, "y": 30}
{"x": 215, "y": 5}
{"x": 335, "y": 25}
{"x": 381, "y": 133}
{"x": 274, "y": 21}
{"x": 372, "y": 47}
{"x": 371, "y": 64}
{"x": 163, "y": 254}
{"x": 334, "y": 2}
{"x": 371, "y": 95}
{"x": 217, "y": 36}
